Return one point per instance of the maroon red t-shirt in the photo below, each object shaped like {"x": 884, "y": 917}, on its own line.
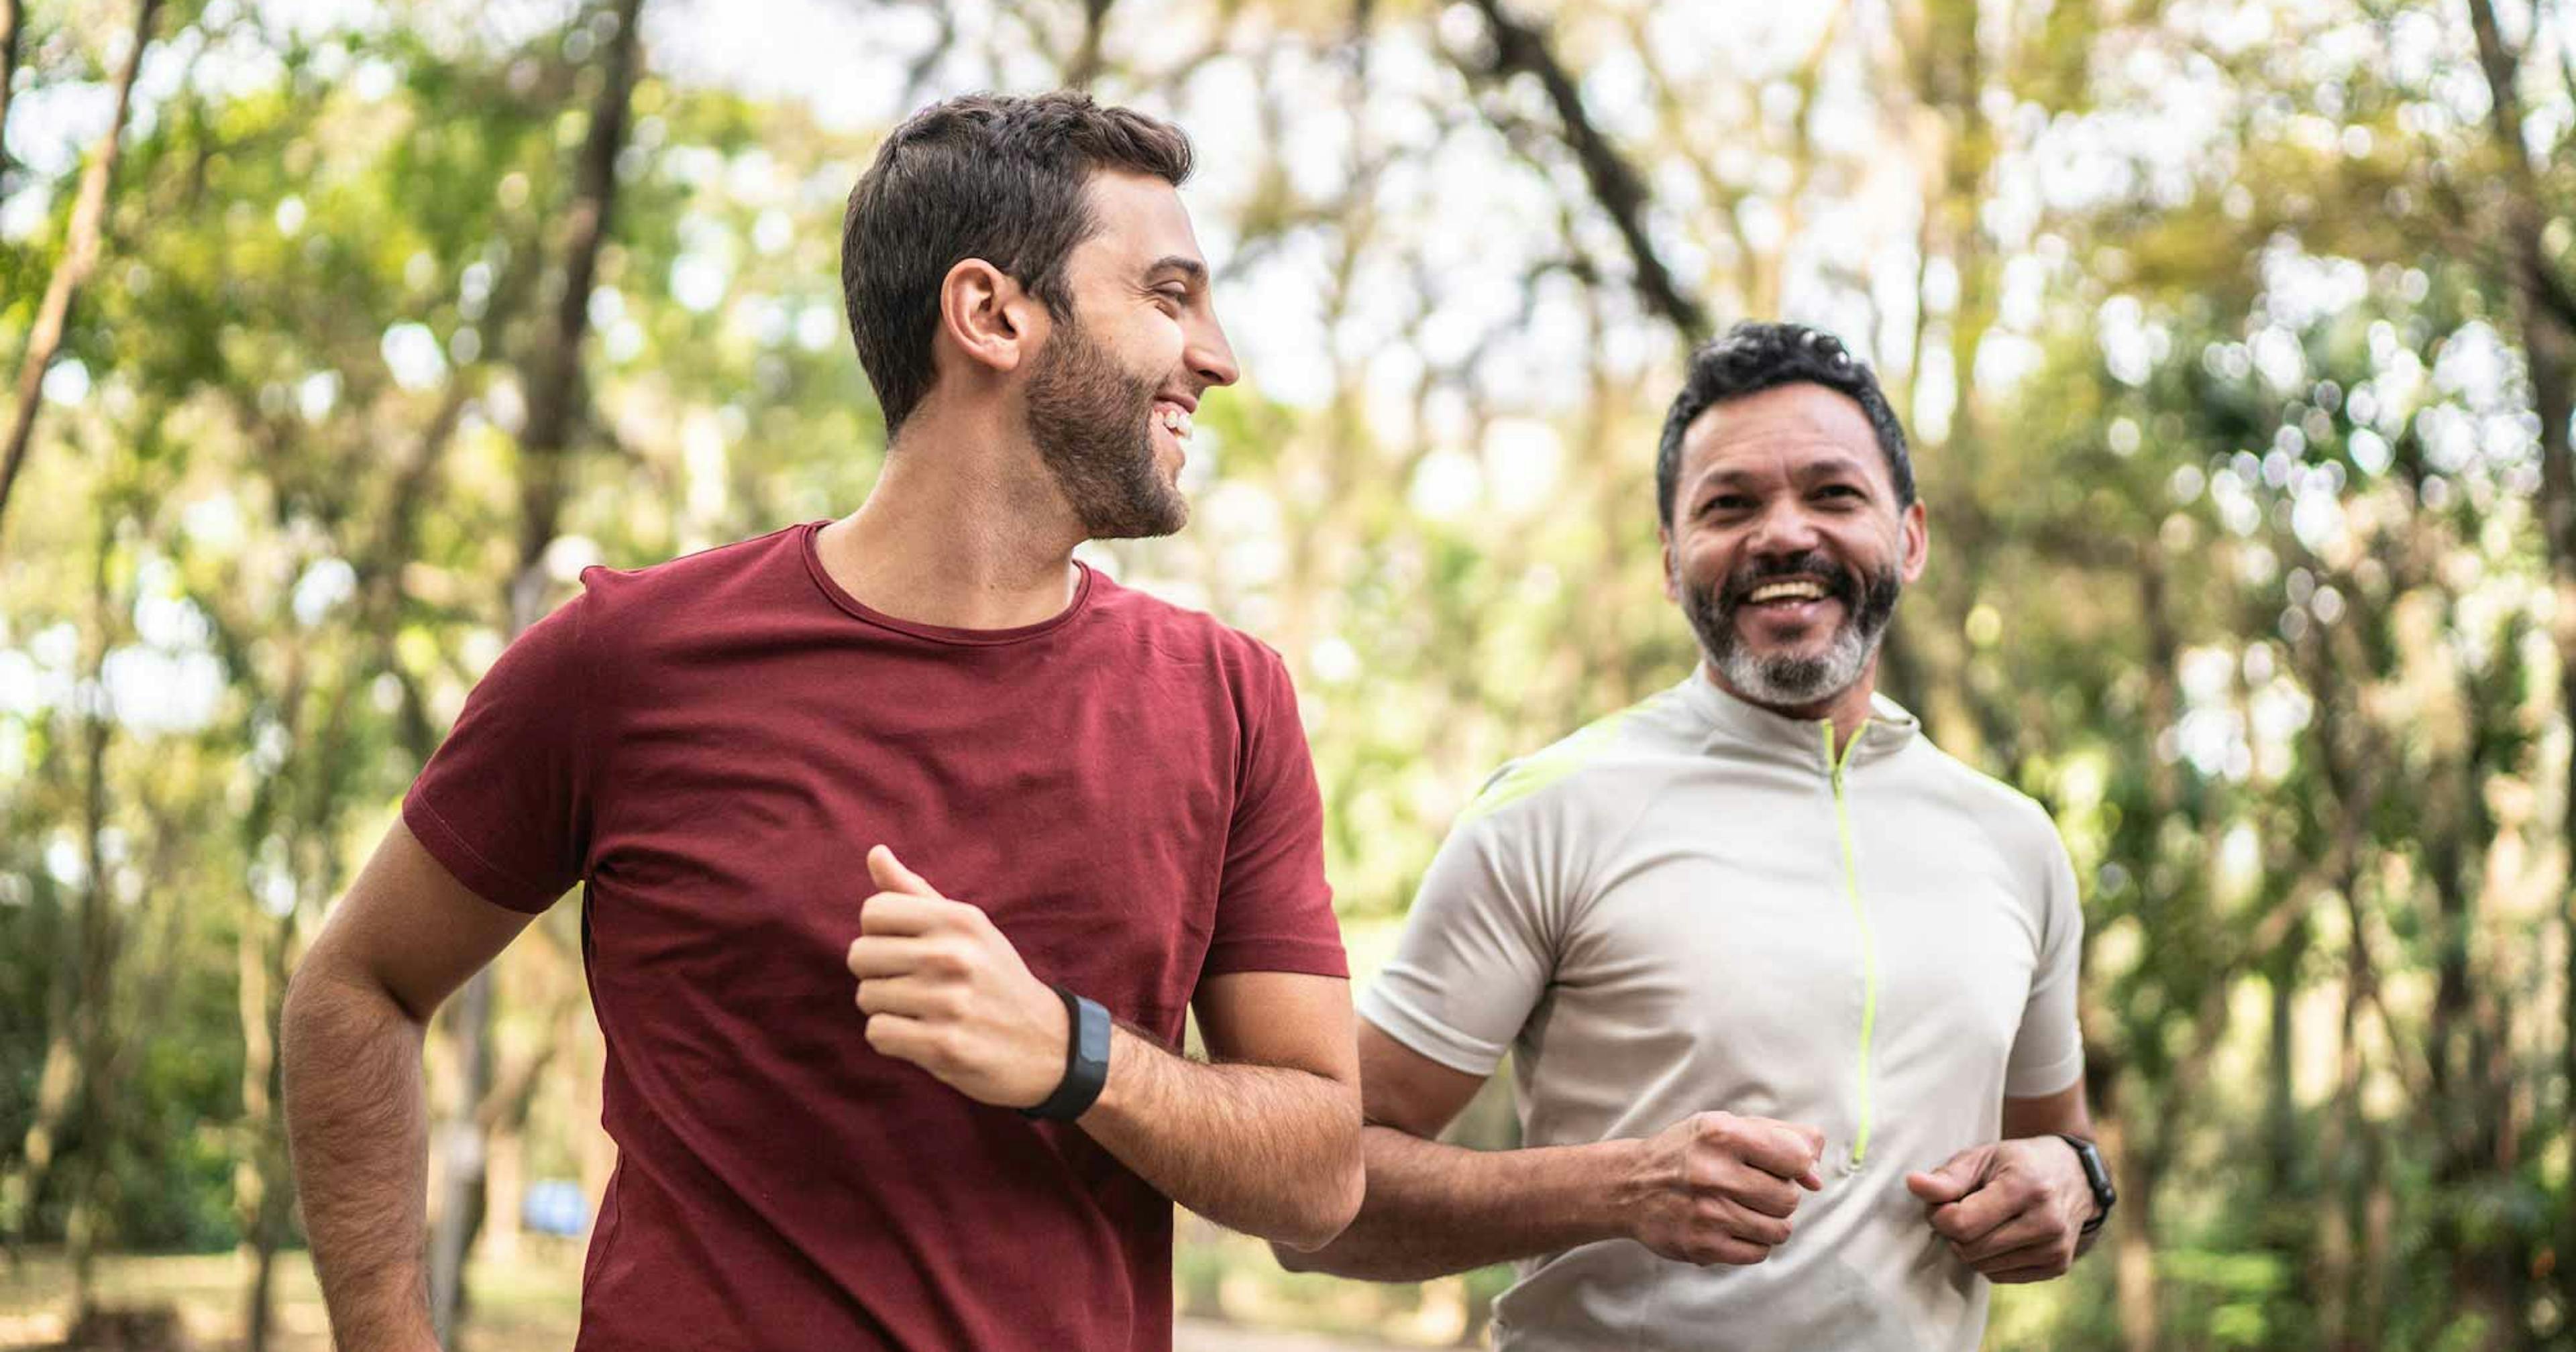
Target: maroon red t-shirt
{"x": 712, "y": 745}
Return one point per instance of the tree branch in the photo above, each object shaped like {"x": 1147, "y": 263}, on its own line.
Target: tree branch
{"x": 13, "y": 21}
{"x": 80, "y": 255}
{"x": 1522, "y": 49}
{"x": 1084, "y": 66}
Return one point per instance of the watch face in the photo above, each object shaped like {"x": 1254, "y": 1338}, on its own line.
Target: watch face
{"x": 2096, "y": 1175}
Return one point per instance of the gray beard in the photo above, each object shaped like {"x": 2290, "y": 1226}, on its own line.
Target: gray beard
{"x": 1786, "y": 680}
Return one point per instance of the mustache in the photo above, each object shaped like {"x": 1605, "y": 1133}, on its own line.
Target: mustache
{"x": 1839, "y": 582}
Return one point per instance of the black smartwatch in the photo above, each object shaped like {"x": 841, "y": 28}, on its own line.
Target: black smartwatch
{"x": 2097, "y": 1177}
{"x": 1086, "y": 1060}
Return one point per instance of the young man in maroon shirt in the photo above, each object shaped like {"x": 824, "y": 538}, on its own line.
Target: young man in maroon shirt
{"x": 1102, "y": 804}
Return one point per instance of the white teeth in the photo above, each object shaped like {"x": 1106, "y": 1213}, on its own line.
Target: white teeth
{"x": 1778, "y": 591}
{"x": 1176, "y": 420}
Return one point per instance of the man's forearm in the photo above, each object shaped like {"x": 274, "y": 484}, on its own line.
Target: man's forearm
{"x": 1433, "y": 1208}
{"x": 357, "y": 1127}
{"x": 1266, "y": 1150}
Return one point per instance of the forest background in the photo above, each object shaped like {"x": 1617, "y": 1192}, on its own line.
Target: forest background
{"x": 2237, "y": 339}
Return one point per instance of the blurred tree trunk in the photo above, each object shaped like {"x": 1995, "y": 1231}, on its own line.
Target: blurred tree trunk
{"x": 1947, "y": 76}
{"x": 259, "y": 1177}
{"x": 2134, "y": 1276}
{"x": 80, "y": 255}
{"x": 554, "y": 393}
{"x": 2546, "y": 315}
{"x": 2133, "y": 1273}
{"x": 13, "y": 22}
{"x": 1083, "y": 68}
{"x": 94, "y": 959}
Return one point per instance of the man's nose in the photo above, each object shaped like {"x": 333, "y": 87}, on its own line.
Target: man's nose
{"x": 1784, "y": 528}
{"x": 1209, "y": 356}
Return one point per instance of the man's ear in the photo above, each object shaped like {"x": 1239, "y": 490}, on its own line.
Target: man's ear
{"x": 987, "y": 316}
{"x": 1917, "y": 544}
{"x": 1664, "y": 539}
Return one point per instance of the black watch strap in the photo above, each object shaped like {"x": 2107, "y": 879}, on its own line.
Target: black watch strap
{"x": 1086, "y": 1060}
{"x": 2097, "y": 1176}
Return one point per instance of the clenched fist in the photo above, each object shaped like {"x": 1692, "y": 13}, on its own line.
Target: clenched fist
{"x": 2013, "y": 1210}
{"x": 944, "y": 990}
{"x": 1717, "y": 1188}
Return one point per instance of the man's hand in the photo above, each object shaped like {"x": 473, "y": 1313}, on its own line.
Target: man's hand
{"x": 2013, "y": 1210}
{"x": 1717, "y": 1188}
{"x": 945, "y": 991}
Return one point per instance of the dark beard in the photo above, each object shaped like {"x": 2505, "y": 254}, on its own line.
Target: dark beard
{"x": 1784, "y": 679}
{"x": 1092, "y": 422}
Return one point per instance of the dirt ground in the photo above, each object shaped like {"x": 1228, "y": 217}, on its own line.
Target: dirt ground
{"x": 530, "y": 1305}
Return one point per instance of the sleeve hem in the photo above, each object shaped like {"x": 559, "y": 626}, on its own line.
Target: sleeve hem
{"x": 2054, "y": 1078}
{"x": 1307, "y": 957}
{"x": 1426, "y": 1036}
{"x": 481, "y": 876}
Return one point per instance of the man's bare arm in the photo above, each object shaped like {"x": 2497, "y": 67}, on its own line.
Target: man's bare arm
{"x": 1712, "y": 1188}
{"x": 1263, "y": 1139}
{"x": 1266, "y": 1141}
{"x": 406, "y": 935}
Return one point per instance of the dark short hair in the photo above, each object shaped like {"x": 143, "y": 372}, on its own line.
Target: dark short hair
{"x": 981, "y": 176}
{"x": 1752, "y": 357}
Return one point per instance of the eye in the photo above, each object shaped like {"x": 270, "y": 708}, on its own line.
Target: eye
{"x": 1725, "y": 502}
{"x": 1839, "y": 491}
{"x": 1175, "y": 296}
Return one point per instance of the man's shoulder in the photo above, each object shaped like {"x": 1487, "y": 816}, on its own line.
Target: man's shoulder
{"x": 1620, "y": 758}
{"x": 707, "y": 572}
{"x": 1184, "y": 633}
{"x": 2017, "y": 822}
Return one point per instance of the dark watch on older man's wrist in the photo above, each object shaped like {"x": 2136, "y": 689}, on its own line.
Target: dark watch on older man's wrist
{"x": 1086, "y": 1060}
{"x": 2097, "y": 1177}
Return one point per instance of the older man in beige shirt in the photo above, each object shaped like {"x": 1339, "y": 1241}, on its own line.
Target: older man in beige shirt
{"x": 1789, "y": 993}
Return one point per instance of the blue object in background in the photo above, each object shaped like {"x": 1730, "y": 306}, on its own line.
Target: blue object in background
{"x": 554, "y": 1206}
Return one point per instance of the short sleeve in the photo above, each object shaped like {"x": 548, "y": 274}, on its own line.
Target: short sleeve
{"x": 1274, "y": 910}
{"x": 2048, "y": 1051}
{"x": 505, "y": 801}
{"x": 1478, "y": 948}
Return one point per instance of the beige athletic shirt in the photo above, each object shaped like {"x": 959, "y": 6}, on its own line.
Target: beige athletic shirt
{"x": 1689, "y": 905}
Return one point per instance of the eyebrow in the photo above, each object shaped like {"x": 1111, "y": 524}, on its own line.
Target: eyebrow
{"x": 1192, "y": 270}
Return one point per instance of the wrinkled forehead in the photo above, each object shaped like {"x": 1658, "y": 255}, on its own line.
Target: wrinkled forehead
{"x": 1791, "y": 431}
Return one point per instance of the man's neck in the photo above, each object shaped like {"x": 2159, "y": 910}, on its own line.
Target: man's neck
{"x": 1847, "y": 709}
{"x": 965, "y": 528}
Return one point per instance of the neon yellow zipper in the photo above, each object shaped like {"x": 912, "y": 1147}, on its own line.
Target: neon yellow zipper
{"x": 1860, "y": 915}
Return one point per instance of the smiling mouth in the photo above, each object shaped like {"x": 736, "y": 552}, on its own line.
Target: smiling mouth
{"x": 1174, "y": 419}
{"x": 1788, "y": 592}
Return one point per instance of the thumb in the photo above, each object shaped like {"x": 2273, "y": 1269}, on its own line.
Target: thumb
{"x": 892, "y": 876}
{"x": 1815, "y": 1141}
{"x": 1949, "y": 1183}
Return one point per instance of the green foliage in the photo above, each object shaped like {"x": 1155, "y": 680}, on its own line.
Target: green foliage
{"x": 2230, "y": 456}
